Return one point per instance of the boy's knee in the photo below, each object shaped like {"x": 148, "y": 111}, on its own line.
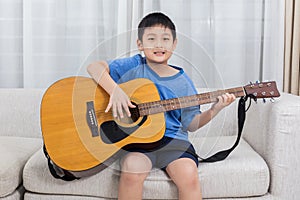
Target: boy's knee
{"x": 185, "y": 174}
{"x": 191, "y": 174}
{"x": 136, "y": 163}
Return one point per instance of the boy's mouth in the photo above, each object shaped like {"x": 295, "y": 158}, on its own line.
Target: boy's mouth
{"x": 159, "y": 52}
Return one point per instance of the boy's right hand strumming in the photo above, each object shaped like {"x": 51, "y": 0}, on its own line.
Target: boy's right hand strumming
{"x": 119, "y": 102}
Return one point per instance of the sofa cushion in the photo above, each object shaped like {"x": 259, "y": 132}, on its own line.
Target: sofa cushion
{"x": 34, "y": 196}
{"x": 243, "y": 173}
{"x": 16, "y": 195}
{"x": 14, "y": 152}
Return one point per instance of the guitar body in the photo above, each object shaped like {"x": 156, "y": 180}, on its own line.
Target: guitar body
{"x": 79, "y": 136}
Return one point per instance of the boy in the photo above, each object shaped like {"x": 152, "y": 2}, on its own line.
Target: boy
{"x": 157, "y": 39}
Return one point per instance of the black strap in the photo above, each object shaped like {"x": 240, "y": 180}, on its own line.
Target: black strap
{"x": 221, "y": 155}
{"x": 57, "y": 172}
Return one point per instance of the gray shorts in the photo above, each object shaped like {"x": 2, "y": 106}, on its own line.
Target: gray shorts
{"x": 168, "y": 150}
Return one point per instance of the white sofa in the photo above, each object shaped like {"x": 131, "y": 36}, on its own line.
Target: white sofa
{"x": 263, "y": 166}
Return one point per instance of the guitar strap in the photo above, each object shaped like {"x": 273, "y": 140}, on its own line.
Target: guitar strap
{"x": 56, "y": 171}
{"x": 221, "y": 155}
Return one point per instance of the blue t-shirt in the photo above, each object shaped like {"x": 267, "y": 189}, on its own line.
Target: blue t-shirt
{"x": 178, "y": 85}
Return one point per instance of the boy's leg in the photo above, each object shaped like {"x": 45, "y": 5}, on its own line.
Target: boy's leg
{"x": 184, "y": 173}
{"x": 135, "y": 168}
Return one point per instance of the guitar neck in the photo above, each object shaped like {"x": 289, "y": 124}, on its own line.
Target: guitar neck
{"x": 154, "y": 107}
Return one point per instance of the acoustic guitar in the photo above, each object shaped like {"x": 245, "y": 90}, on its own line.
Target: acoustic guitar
{"x": 80, "y": 137}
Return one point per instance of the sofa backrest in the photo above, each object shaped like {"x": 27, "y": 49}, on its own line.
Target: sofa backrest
{"x": 224, "y": 124}
{"x": 20, "y": 112}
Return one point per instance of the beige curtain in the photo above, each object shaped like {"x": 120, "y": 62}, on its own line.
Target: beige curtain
{"x": 292, "y": 47}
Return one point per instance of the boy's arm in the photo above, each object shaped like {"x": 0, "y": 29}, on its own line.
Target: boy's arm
{"x": 99, "y": 71}
{"x": 119, "y": 100}
{"x": 205, "y": 117}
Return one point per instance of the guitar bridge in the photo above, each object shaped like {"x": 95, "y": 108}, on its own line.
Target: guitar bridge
{"x": 91, "y": 118}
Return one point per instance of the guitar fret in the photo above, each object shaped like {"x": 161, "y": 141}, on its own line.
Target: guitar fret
{"x": 183, "y": 102}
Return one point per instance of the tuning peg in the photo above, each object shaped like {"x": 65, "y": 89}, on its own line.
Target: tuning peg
{"x": 264, "y": 100}
{"x": 272, "y": 100}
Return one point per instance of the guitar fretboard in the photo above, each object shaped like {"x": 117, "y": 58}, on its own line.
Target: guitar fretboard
{"x": 154, "y": 107}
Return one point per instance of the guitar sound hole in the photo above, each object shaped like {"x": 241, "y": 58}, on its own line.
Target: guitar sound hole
{"x": 135, "y": 115}
{"x": 133, "y": 118}
{"x": 111, "y": 132}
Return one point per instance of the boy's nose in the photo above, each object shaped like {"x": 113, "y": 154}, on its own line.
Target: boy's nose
{"x": 158, "y": 44}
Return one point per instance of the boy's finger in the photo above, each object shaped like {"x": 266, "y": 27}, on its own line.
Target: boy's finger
{"x": 114, "y": 110}
{"x": 126, "y": 108}
{"x": 131, "y": 105}
{"x": 220, "y": 99}
{"x": 108, "y": 107}
{"x": 120, "y": 110}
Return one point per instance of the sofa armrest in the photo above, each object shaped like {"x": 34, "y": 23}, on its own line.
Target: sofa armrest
{"x": 273, "y": 130}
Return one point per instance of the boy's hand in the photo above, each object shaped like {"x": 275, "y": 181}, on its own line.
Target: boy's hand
{"x": 223, "y": 101}
{"x": 119, "y": 101}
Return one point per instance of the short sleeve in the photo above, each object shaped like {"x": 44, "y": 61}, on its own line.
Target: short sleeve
{"x": 119, "y": 67}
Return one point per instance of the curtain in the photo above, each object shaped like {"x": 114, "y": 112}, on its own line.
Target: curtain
{"x": 11, "y": 39}
{"x": 220, "y": 44}
{"x": 292, "y": 47}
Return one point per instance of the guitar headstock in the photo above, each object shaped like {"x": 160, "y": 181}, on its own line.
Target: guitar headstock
{"x": 262, "y": 90}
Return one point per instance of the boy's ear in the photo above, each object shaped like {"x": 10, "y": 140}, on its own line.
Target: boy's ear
{"x": 140, "y": 45}
{"x": 174, "y": 44}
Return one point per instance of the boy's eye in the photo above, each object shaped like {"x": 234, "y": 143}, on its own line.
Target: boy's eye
{"x": 166, "y": 38}
{"x": 151, "y": 38}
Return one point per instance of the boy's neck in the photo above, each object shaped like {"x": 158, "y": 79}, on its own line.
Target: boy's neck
{"x": 162, "y": 69}
{"x": 154, "y": 65}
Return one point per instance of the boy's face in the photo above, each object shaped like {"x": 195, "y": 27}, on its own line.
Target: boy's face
{"x": 157, "y": 43}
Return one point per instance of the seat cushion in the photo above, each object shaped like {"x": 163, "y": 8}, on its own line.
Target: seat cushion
{"x": 14, "y": 152}
{"x": 16, "y": 195}
{"x": 243, "y": 173}
{"x": 34, "y": 196}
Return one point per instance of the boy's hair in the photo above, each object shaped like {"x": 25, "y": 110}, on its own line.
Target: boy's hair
{"x": 153, "y": 19}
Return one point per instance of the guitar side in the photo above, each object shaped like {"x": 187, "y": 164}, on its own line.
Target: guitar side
{"x": 67, "y": 134}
